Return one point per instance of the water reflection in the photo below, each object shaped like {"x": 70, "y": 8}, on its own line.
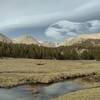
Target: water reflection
{"x": 38, "y": 92}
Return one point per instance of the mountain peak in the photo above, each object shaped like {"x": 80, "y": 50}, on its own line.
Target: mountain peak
{"x": 81, "y": 38}
{"x": 26, "y": 39}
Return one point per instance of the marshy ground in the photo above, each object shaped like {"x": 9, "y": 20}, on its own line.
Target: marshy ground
{"x": 15, "y": 72}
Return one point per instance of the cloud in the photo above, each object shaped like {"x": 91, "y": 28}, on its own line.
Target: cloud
{"x": 29, "y": 21}
{"x": 53, "y": 33}
{"x": 62, "y": 29}
{"x": 94, "y": 26}
{"x": 87, "y": 11}
{"x": 18, "y": 15}
{"x": 26, "y": 13}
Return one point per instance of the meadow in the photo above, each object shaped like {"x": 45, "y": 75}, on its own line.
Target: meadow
{"x": 24, "y": 71}
{"x": 15, "y": 71}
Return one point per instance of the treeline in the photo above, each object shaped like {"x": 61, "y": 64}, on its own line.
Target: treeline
{"x": 39, "y": 52}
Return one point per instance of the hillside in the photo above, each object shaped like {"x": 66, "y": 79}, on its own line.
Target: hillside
{"x": 4, "y": 38}
{"x": 86, "y": 39}
{"x": 26, "y": 39}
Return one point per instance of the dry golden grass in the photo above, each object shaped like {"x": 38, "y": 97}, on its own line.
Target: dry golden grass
{"x": 14, "y": 72}
{"x": 21, "y": 71}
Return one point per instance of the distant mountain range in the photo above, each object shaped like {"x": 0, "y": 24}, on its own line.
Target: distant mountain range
{"x": 26, "y": 39}
{"x": 84, "y": 39}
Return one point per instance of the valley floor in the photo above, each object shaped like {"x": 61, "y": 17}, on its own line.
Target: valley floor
{"x": 15, "y": 72}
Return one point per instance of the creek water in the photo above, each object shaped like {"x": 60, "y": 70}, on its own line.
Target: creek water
{"x": 38, "y": 92}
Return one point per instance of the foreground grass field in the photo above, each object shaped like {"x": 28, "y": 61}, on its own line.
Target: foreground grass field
{"x": 23, "y": 71}
{"x": 15, "y": 72}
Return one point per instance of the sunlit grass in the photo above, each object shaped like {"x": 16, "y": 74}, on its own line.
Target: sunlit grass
{"x": 22, "y": 71}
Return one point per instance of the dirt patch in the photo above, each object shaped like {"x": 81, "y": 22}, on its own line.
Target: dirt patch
{"x": 92, "y": 78}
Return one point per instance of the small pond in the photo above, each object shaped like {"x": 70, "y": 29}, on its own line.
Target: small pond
{"x": 39, "y": 92}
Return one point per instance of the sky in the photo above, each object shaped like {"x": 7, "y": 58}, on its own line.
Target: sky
{"x": 36, "y": 17}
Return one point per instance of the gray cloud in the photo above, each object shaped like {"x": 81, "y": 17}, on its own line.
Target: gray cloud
{"x": 68, "y": 29}
{"x": 18, "y": 15}
{"x": 88, "y": 11}
{"x": 26, "y": 13}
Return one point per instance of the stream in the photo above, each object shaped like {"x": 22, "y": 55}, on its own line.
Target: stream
{"x": 39, "y": 92}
